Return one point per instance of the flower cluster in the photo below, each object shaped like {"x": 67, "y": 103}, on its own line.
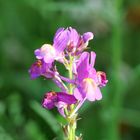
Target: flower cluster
{"x": 84, "y": 82}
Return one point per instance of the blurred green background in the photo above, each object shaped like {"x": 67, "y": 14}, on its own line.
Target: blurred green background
{"x": 27, "y": 24}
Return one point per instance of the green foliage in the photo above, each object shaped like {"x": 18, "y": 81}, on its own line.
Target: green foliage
{"x": 47, "y": 116}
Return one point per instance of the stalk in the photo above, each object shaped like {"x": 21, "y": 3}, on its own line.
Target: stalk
{"x": 71, "y": 120}
{"x": 70, "y": 73}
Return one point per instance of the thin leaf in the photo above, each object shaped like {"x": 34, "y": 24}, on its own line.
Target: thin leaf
{"x": 46, "y": 115}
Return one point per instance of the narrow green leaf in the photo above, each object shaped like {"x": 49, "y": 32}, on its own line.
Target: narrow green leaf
{"x": 46, "y": 115}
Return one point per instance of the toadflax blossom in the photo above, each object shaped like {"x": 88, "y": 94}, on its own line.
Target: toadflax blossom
{"x": 40, "y": 68}
{"x": 68, "y": 39}
{"x": 88, "y": 80}
{"x": 76, "y": 42}
{"x": 59, "y": 100}
{"x": 49, "y": 53}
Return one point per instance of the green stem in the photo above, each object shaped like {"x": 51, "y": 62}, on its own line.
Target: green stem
{"x": 70, "y": 73}
{"x": 72, "y": 134}
{"x": 71, "y": 120}
{"x": 72, "y": 128}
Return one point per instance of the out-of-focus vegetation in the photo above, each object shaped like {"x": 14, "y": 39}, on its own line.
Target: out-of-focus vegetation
{"x": 27, "y": 24}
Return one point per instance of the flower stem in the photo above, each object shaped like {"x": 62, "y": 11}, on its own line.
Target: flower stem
{"x": 70, "y": 73}
{"x": 71, "y": 120}
{"x": 60, "y": 84}
{"x": 72, "y": 128}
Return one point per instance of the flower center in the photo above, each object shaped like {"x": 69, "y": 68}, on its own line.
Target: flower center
{"x": 89, "y": 84}
{"x": 38, "y": 63}
{"x": 48, "y": 50}
{"x": 51, "y": 96}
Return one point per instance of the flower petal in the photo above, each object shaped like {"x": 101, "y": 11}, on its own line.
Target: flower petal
{"x": 40, "y": 68}
{"x": 49, "y": 104}
{"x": 59, "y": 30}
{"x": 66, "y": 98}
{"x": 98, "y": 94}
{"x": 82, "y": 66}
{"x": 89, "y": 87}
{"x": 60, "y": 106}
{"x": 79, "y": 95}
{"x": 92, "y": 58}
{"x": 50, "y": 99}
{"x": 49, "y": 59}
{"x": 87, "y": 36}
{"x": 92, "y": 74}
{"x": 38, "y": 54}
{"x": 93, "y": 92}
{"x": 61, "y": 40}
{"x": 73, "y": 36}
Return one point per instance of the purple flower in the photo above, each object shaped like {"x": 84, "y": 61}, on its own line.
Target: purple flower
{"x": 60, "y": 40}
{"x": 68, "y": 39}
{"x": 40, "y": 68}
{"x": 49, "y": 53}
{"x": 87, "y": 79}
{"x": 77, "y": 43}
{"x": 46, "y": 52}
{"x": 87, "y": 36}
{"x": 73, "y": 40}
{"x": 83, "y": 41}
{"x": 59, "y": 100}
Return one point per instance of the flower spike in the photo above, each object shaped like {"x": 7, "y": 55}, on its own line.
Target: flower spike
{"x": 83, "y": 82}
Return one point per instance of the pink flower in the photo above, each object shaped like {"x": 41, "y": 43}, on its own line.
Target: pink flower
{"x": 59, "y": 100}
{"x": 88, "y": 80}
{"x": 49, "y": 53}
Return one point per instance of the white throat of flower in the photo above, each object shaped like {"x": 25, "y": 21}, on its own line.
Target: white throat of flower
{"x": 48, "y": 50}
{"x": 89, "y": 84}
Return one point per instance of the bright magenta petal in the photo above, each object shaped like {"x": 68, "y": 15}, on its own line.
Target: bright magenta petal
{"x": 66, "y": 98}
{"x": 82, "y": 66}
{"x": 92, "y": 58}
